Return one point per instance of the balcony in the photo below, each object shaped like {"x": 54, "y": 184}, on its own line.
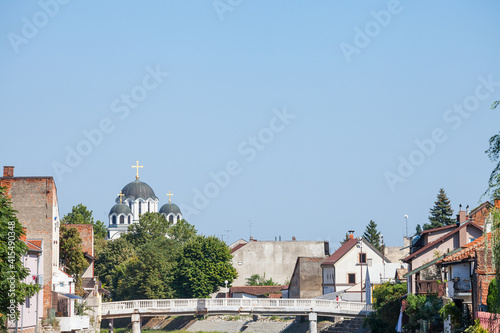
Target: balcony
{"x": 427, "y": 287}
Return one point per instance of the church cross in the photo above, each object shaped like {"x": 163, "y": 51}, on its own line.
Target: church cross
{"x": 170, "y": 194}
{"x": 137, "y": 166}
{"x": 121, "y": 196}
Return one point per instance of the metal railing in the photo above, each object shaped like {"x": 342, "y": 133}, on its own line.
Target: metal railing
{"x": 261, "y": 305}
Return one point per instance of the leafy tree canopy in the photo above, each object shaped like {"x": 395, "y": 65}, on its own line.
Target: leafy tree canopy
{"x": 387, "y": 306}
{"x": 372, "y": 235}
{"x": 13, "y": 289}
{"x": 71, "y": 252}
{"x": 494, "y": 155}
{"x": 441, "y": 212}
{"x": 150, "y": 226}
{"x": 81, "y": 215}
{"x": 203, "y": 264}
{"x": 423, "y": 307}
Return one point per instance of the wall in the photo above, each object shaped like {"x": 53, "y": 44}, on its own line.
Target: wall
{"x": 35, "y": 199}
{"x": 274, "y": 259}
{"x": 86, "y": 232}
{"x": 307, "y": 278}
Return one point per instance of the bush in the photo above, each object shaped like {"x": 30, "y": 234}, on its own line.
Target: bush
{"x": 493, "y": 301}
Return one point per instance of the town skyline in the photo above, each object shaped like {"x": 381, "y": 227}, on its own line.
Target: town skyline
{"x": 303, "y": 121}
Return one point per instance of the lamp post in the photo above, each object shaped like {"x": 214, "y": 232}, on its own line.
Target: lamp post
{"x": 360, "y": 242}
{"x": 406, "y": 218}
{"x": 226, "y": 287}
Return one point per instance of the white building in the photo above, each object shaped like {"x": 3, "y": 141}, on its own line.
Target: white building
{"x": 135, "y": 199}
{"x": 346, "y": 269}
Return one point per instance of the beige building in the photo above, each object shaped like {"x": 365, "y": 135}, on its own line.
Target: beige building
{"x": 274, "y": 259}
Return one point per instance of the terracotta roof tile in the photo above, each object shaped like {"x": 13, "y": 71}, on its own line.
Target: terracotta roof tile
{"x": 340, "y": 252}
{"x": 451, "y": 226}
{"x": 33, "y": 247}
{"x": 256, "y": 290}
{"x": 468, "y": 250}
{"x": 440, "y": 239}
{"x": 237, "y": 247}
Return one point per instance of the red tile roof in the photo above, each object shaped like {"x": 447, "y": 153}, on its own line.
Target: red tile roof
{"x": 451, "y": 226}
{"x": 340, "y": 252}
{"x": 32, "y": 245}
{"x": 237, "y": 247}
{"x": 440, "y": 239}
{"x": 468, "y": 251}
{"x": 257, "y": 290}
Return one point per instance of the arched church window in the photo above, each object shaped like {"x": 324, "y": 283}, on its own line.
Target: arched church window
{"x": 171, "y": 218}
{"x": 140, "y": 208}
{"x": 122, "y": 219}
{"x": 130, "y": 204}
{"x": 149, "y": 208}
{"x": 129, "y": 220}
{"x": 113, "y": 219}
{"x": 179, "y": 217}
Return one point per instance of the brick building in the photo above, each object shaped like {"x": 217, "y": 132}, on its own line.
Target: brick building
{"x": 35, "y": 199}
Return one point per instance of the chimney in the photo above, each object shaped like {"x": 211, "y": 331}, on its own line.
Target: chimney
{"x": 461, "y": 216}
{"x": 8, "y": 171}
{"x": 351, "y": 234}
{"x": 497, "y": 203}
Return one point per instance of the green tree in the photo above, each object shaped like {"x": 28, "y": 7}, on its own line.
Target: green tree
{"x": 13, "y": 289}
{"x": 441, "y": 212}
{"x": 387, "y": 306}
{"x": 258, "y": 280}
{"x": 71, "y": 252}
{"x": 182, "y": 231}
{"x": 203, "y": 264}
{"x": 423, "y": 307}
{"x": 150, "y": 226}
{"x": 418, "y": 229}
{"x": 81, "y": 215}
{"x": 493, "y": 299}
{"x": 346, "y": 238}
{"x": 148, "y": 274}
{"x": 494, "y": 155}
{"x": 372, "y": 235}
{"x": 109, "y": 256}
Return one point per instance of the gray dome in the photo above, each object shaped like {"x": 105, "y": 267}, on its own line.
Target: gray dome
{"x": 170, "y": 208}
{"x": 136, "y": 190}
{"x": 120, "y": 208}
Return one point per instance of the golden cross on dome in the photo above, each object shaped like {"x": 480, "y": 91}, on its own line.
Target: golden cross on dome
{"x": 121, "y": 196}
{"x": 170, "y": 194}
{"x": 137, "y": 166}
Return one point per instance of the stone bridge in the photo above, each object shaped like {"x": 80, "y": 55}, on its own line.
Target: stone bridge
{"x": 253, "y": 306}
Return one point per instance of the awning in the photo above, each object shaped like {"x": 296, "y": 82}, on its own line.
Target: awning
{"x": 72, "y": 296}
{"x": 430, "y": 263}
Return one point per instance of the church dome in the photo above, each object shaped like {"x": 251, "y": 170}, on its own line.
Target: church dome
{"x": 170, "y": 208}
{"x": 120, "y": 208}
{"x": 137, "y": 189}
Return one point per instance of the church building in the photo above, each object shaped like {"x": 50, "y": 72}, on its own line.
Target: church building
{"x": 134, "y": 199}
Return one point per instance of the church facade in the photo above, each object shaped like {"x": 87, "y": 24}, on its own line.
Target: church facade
{"x": 135, "y": 199}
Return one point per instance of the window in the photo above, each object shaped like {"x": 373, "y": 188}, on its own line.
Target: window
{"x": 351, "y": 278}
{"x": 140, "y": 208}
{"x": 171, "y": 218}
{"x": 28, "y": 304}
{"x": 129, "y": 219}
{"x": 362, "y": 258}
{"x": 149, "y": 207}
{"x": 122, "y": 219}
{"x": 113, "y": 219}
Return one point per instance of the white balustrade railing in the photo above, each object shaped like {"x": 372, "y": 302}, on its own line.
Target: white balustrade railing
{"x": 234, "y": 304}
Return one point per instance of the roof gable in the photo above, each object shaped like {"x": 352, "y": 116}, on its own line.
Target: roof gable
{"x": 441, "y": 239}
{"x": 341, "y": 251}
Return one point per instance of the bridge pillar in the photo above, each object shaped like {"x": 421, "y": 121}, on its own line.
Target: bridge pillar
{"x": 136, "y": 322}
{"x": 313, "y": 322}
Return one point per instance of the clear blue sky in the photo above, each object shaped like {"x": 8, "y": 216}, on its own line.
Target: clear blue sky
{"x": 360, "y": 82}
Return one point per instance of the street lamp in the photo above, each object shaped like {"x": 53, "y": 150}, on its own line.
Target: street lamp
{"x": 226, "y": 287}
{"x": 406, "y": 217}
{"x": 360, "y": 243}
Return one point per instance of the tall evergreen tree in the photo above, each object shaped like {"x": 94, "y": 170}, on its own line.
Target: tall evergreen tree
{"x": 372, "y": 235}
{"x": 346, "y": 238}
{"x": 441, "y": 212}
